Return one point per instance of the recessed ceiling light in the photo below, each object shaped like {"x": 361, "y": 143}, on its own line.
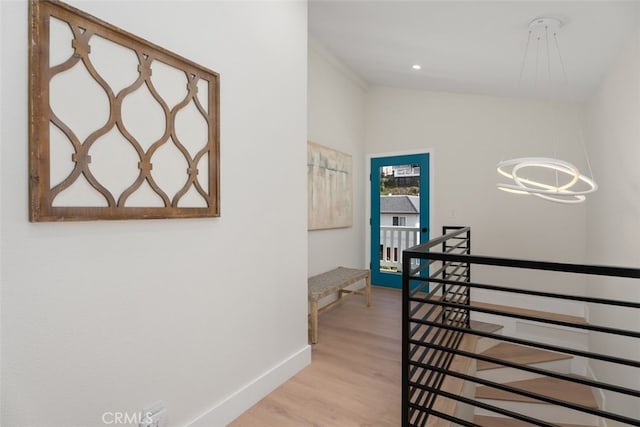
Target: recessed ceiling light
{"x": 416, "y": 66}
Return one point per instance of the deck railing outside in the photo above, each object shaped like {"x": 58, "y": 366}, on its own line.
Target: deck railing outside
{"x": 393, "y": 241}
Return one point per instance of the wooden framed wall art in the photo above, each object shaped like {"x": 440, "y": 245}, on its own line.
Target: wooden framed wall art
{"x": 330, "y": 188}
{"x": 119, "y": 128}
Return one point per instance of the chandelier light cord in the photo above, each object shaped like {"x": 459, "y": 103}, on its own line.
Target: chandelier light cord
{"x": 555, "y": 116}
{"x": 564, "y": 70}
{"x": 524, "y": 59}
{"x": 546, "y": 40}
{"x": 566, "y": 82}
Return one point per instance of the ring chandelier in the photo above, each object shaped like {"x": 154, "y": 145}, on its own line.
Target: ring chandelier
{"x": 570, "y": 185}
{"x": 561, "y": 193}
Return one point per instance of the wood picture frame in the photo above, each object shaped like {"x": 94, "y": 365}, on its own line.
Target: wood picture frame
{"x": 199, "y": 155}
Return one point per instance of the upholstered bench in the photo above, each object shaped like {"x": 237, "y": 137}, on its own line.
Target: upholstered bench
{"x": 329, "y": 283}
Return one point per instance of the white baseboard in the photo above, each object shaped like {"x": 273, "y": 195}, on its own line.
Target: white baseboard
{"x": 238, "y": 402}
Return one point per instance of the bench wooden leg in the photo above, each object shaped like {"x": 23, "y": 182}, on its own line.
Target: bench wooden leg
{"x": 313, "y": 318}
{"x": 367, "y": 290}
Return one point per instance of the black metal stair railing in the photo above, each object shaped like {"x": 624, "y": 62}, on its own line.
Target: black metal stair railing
{"x": 437, "y": 311}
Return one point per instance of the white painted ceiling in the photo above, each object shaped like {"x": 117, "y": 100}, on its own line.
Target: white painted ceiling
{"x": 473, "y": 46}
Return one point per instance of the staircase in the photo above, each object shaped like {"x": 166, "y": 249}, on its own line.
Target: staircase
{"x": 530, "y": 381}
{"x": 499, "y": 364}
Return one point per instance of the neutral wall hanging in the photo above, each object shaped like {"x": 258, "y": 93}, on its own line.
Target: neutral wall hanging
{"x": 119, "y": 128}
{"x": 548, "y": 178}
{"x": 330, "y": 188}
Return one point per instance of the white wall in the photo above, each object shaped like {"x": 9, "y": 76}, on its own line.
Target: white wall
{"x": 613, "y": 214}
{"x": 336, "y": 105}
{"x": 113, "y": 316}
{"x": 467, "y": 135}
{"x": 1, "y": 240}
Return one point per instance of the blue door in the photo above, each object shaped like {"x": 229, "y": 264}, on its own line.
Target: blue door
{"x": 399, "y": 213}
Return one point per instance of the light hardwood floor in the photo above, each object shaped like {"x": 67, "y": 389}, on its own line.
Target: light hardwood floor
{"x": 354, "y": 377}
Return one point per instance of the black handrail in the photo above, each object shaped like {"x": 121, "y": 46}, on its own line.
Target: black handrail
{"x": 434, "y": 325}
{"x": 538, "y": 293}
{"x": 528, "y": 264}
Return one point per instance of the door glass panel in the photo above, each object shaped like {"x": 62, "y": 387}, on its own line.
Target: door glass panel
{"x": 399, "y": 214}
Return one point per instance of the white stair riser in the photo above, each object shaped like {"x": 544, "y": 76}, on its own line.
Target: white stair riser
{"x": 553, "y": 334}
{"x": 505, "y": 375}
{"x": 544, "y": 333}
{"x": 545, "y": 412}
{"x": 485, "y": 344}
{"x": 572, "y": 308}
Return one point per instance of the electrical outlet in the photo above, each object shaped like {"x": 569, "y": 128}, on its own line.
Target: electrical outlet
{"x": 154, "y": 416}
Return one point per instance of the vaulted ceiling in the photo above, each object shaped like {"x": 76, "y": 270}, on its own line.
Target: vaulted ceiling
{"x": 473, "y": 46}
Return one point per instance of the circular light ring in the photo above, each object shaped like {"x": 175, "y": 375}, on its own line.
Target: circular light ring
{"x": 563, "y": 199}
{"x": 543, "y": 188}
{"x": 557, "y": 193}
{"x": 558, "y": 197}
{"x": 557, "y": 165}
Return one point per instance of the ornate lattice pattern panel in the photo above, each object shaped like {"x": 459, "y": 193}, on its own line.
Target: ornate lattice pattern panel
{"x": 119, "y": 127}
